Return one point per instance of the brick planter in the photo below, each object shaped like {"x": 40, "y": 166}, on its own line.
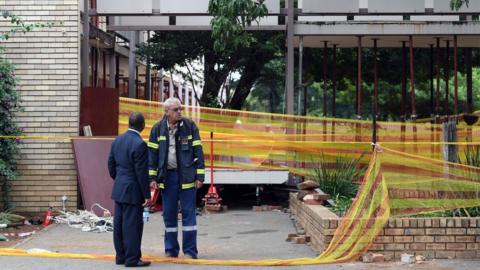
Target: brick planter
{"x": 440, "y": 238}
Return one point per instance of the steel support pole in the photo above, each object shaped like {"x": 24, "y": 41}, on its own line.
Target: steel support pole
{"x": 289, "y": 84}
{"x": 375, "y": 76}
{"x": 132, "y": 65}
{"x": 148, "y": 75}
{"x": 468, "y": 63}
{"x": 432, "y": 95}
{"x": 359, "y": 79}
{"x": 403, "y": 109}
{"x": 437, "y": 96}
{"x": 325, "y": 83}
{"x": 334, "y": 82}
{"x": 111, "y": 69}
{"x": 447, "y": 78}
{"x": 455, "y": 74}
{"x": 412, "y": 79}
{"x": 300, "y": 77}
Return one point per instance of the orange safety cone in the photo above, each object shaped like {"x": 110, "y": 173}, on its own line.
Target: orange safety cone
{"x": 48, "y": 218}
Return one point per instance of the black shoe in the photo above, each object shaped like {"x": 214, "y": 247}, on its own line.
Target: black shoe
{"x": 139, "y": 264}
{"x": 190, "y": 256}
{"x": 119, "y": 262}
{"x": 170, "y": 255}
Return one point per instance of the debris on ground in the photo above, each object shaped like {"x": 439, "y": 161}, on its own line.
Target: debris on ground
{"x": 298, "y": 238}
{"x": 420, "y": 259}
{"x": 3, "y": 237}
{"x": 8, "y": 218}
{"x": 263, "y": 208}
{"x": 407, "y": 258}
{"x": 87, "y": 221}
{"x": 370, "y": 257}
{"x": 214, "y": 208}
{"x": 15, "y": 234}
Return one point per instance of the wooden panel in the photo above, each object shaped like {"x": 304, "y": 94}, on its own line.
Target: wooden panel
{"x": 91, "y": 158}
{"x": 99, "y": 109}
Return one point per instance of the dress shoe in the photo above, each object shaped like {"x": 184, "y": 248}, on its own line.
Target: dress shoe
{"x": 139, "y": 264}
{"x": 119, "y": 262}
{"x": 170, "y": 255}
{"x": 190, "y": 256}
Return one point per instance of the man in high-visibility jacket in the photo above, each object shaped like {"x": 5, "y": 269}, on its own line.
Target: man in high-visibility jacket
{"x": 177, "y": 166}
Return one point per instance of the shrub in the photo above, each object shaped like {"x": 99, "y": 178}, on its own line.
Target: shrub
{"x": 9, "y": 144}
{"x": 337, "y": 178}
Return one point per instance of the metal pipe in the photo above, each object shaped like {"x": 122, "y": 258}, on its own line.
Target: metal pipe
{"x": 131, "y": 65}
{"x": 455, "y": 71}
{"x": 104, "y": 58}
{"x": 334, "y": 82}
{"x": 412, "y": 79}
{"x": 325, "y": 86}
{"x": 359, "y": 78}
{"x": 375, "y": 75}
{"x": 437, "y": 97}
{"x": 447, "y": 77}
{"x": 289, "y": 84}
{"x": 468, "y": 63}
{"x": 432, "y": 102}
{"x": 403, "y": 109}
{"x": 300, "y": 75}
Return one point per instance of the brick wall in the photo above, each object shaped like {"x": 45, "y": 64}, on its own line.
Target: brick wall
{"x": 47, "y": 63}
{"x": 440, "y": 238}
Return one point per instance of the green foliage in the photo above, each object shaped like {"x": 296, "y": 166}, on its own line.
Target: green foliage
{"x": 472, "y": 156}
{"x": 342, "y": 204}
{"x": 18, "y": 25}
{"x": 230, "y": 17}
{"x": 268, "y": 92}
{"x": 457, "y": 4}
{"x": 9, "y": 147}
{"x": 337, "y": 178}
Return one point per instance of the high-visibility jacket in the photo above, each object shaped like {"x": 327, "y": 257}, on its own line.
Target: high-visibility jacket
{"x": 189, "y": 153}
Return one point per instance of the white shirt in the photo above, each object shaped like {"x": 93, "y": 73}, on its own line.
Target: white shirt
{"x": 134, "y": 130}
{"x": 172, "y": 152}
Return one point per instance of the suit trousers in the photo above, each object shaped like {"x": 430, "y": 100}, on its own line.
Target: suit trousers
{"x": 127, "y": 232}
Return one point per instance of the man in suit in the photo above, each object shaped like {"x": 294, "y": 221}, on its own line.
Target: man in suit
{"x": 128, "y": 166}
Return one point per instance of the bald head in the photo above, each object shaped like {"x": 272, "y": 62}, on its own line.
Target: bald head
{"x": 136, "y": 121}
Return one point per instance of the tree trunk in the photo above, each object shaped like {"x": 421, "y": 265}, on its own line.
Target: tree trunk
{"x": 213, "y": 81}
{"x": 250, "y": 74}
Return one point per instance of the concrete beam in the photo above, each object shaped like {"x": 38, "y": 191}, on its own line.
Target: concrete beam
{"x": 388, "y": 28}
{"x": 187, "y": 28}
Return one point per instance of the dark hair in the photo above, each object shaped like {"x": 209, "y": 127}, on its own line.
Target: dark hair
{"x": 136, "y": 121}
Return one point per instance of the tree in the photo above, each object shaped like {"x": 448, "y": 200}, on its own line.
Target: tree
{"x": 457, "y": 4}
{"x": 227, "y": 49}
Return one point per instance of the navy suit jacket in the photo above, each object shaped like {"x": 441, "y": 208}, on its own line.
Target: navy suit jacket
{"x": 128, "y": 166}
